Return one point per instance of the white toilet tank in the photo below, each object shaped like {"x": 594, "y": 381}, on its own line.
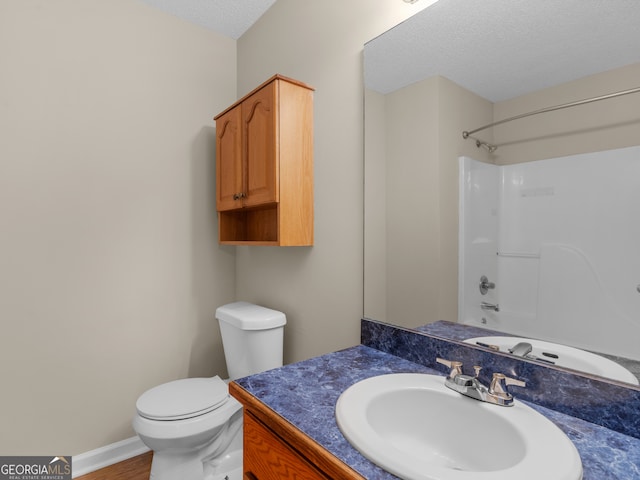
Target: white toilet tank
{"x": 252, "y": 337}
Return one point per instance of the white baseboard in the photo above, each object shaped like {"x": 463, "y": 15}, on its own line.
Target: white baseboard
{"x": 104, "y": 456}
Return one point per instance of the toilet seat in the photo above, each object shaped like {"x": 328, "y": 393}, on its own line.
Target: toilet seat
{"x": 183, "y": 399}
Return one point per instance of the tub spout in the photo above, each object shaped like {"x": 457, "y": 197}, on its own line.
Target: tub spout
{"x": 490, "y": 306}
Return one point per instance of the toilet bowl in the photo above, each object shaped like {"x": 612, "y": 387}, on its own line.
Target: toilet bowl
{"x": 194, "y": 428}
{"x": 193, "y": 425}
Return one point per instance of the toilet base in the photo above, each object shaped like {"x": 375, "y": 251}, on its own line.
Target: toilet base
{"x": 168, "y": 467}
{"x": 227, "y": 468}
{"x": 217, "y": 461}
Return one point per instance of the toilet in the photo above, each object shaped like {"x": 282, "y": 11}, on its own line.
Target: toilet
{"x": 193, "y": 425}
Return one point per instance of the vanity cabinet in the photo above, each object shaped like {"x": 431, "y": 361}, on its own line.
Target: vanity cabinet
{"x": 275, "y": 450}
{"x": 264, "y": 166}
{"x": 267, "y": 457}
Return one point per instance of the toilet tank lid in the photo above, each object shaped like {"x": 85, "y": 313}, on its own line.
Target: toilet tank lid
{"x": 248, "y": 316}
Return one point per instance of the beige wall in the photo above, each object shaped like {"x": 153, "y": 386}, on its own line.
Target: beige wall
{"x": 420, "y": 127}
{"x": 109, "y": 267}
{"x": 597, "y": 126}
{"x": 412, "y": 184}
{"x": 319, "y": 288}
{"x": 375, "y": 205}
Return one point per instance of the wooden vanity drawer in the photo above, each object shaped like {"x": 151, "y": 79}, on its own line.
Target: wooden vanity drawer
{"x": 266, "y": 457}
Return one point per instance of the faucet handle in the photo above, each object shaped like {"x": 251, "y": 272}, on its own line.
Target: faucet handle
{"x": 486, "y": 285}
{"x": 499, "y": 384}
{"x": 454, "y": 365}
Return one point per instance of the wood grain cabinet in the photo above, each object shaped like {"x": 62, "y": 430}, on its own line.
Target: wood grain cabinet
{"x": 276, "y": 450}
{"x": 264, "y": 166}
{"x": 266, "y": 457}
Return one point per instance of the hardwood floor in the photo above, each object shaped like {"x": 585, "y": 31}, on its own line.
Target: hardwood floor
{"x": 136, "y": 468}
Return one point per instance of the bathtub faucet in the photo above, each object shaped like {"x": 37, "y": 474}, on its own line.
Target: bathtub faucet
{"x": 490, "y": 306}
{"x": 486, "y": 285}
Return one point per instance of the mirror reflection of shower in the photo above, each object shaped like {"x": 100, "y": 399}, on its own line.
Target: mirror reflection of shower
{"x": 553, "y": 236}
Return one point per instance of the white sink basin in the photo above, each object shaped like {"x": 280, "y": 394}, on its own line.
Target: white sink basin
{"x": 568, "y": 357}
{"x": 416, "y": 428}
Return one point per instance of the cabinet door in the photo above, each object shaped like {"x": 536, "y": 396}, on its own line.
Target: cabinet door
{"x": 259, "y": 114}
{"x": 266, "y": 457}
{"x": 229, "y": 160}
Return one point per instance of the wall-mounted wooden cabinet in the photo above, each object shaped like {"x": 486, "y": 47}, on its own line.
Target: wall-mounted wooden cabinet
{"x": 264, "y": 166}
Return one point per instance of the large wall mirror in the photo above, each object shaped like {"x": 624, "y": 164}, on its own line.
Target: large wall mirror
{"x": 549, "y": 217}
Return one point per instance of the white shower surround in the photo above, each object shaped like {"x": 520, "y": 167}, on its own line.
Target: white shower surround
{"x": 561, "y": 240}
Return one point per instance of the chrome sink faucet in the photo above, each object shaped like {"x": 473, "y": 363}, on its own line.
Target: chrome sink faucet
{"x": 468, "y": 385}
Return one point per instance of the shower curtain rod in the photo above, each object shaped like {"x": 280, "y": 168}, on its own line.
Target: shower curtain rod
{"x": 492, "y": 148}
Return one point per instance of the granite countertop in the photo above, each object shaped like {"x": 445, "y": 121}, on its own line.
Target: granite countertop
{"x": 305, "y": 394}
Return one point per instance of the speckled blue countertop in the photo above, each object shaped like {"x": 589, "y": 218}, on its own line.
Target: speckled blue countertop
{"x": 305, "y": 394}
{"x": 461, "y": 332}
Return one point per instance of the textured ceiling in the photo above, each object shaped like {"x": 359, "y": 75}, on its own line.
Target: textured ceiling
{"x": 501, "y": 49}
{"x": 228, "y": 17}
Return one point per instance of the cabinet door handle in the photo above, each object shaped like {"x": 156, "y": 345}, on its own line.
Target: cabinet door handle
{"x": 238, "y": 196}
{"x": 250, "y": 476}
